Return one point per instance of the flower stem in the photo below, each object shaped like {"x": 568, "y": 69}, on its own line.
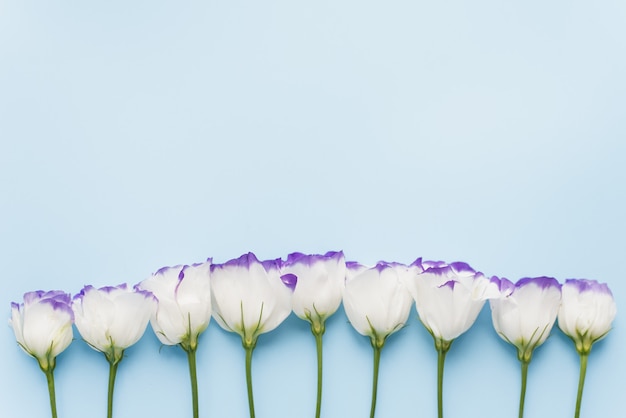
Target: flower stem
{"x": 523, "y": 391}
{"x": 191, "y": 356}
{"x": 581, "y": 382}
{"x": 318, "y": 344}
{"x": 249, "y": 350}
{"x": 53, "y": 402}
{"x": 377, "y": 351}
{"x": 442, "y": 349}
{"x": 112, "y": 373}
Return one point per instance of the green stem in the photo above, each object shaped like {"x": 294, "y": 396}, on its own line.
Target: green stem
{"x": 53, "y": 402}
{"x": 191, "y": 356}
{"x": 318, "y": 345}
{"x": 522, "y": 395}
{"x": 581, "y": 382}
{"x": 442, "y": 350}
{"x": 249, "y": 350}
{"x": 377, "y": 351}
{"x": 112, "y": 373}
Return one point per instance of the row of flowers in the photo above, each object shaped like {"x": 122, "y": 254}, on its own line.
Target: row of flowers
{"x": 251, "y": 297}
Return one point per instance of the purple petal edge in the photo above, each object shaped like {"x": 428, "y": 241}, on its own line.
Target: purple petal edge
{"x": 58, "y": 299}
{"x": 505, "y": 286}
{"x": 417, "y": 263}
{"x": 586, "y": 285}
{"x": 106, "y": 289}
{"x": 276, "y": 264}
{"x": 243, "y": 261}
{"x": 145, "y": 293}
{"x": 310, "y": 259}
{"x": 354, "y": 265}
{"x": 295, "y": 257}
{"x": 109, "y": 289}
{"x": 60, "y": 306}
{"x": 37, "y": 295}
{"x": 82, "y": 292}
{"x": 543, "y": 282}
{"x": 383, "y": 265}
{"x": 164, "y": 270}
{"x": 460, "y": 266}
{"x": 427, "y": 264}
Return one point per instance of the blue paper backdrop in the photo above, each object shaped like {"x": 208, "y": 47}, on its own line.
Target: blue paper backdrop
{"x": 137, "y": 134}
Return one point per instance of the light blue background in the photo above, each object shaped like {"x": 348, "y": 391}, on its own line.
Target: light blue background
{"x": 138, "y": 134}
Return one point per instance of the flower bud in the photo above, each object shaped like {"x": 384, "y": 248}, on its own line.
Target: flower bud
{"x": 587, "y": 312}
{"x": 43, "y": 325}
{"x": 111, "y": 319}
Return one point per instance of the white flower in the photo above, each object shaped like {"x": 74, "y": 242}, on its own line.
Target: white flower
{"x": 43, "y": 325}
{"x": 184, "y": 303}
{"x": 319, "y": 289}
{"x": 111, "y": 319}
{"x": 525, "y": 312}
{"x": 587, "y": 312}
{"x": 376, "y": 300}
{"x": 250, "y": 297}
{"x": 448, "y": 298}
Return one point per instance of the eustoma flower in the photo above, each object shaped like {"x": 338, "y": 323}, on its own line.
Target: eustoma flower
{"x": 586, "y": 314}
{"x": 43, "y": 328}
{"x": 250, "y": 298}
{"x": 377, "y": 304}
{"x": 183, "y": 311}
{"x": 523, "y": 315}
{"x": 318, "y": 293}
{"x": 448, "y": 299}
{"x": 110, "y": 320}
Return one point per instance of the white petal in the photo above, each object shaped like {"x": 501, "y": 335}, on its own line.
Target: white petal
{"x": 319, "y": 288}
{"x": 377, "y": 303}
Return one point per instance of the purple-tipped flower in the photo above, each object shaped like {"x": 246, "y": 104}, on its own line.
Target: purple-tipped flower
{"x": 184, "y": 303}
{"x": 524, "y": 313}
{"x": 43, "y": 328}
{"x": 43, "y": 325}
{"x": 321, "y": 280}
{"x": 318, "y": 293}
{"x": 377, "y": 304}
{"x": 449, "y": 297}
{"x": 250, "y": 297}
{"x": 111, "y": 319}
{"x": 587, "y": 312}
{"x": 183, "y": 311}
{"x": 376, "y": 299}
